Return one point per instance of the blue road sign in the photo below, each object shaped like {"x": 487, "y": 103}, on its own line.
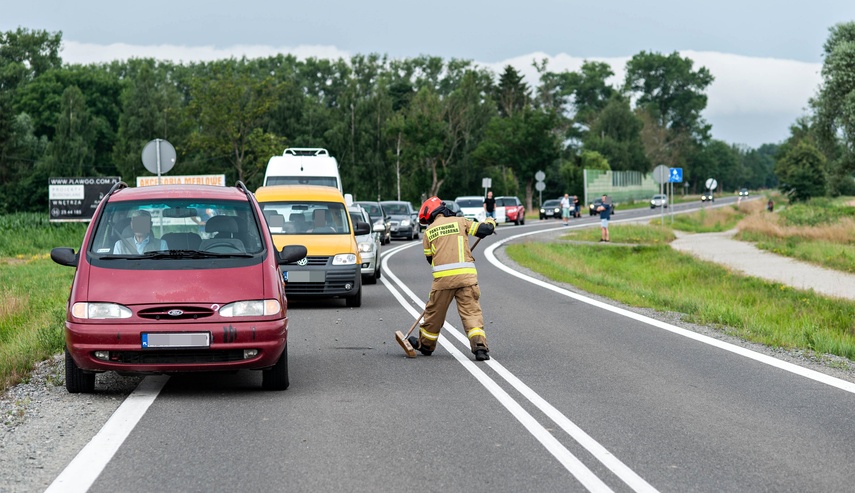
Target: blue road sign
{"x": 675, "y": 175}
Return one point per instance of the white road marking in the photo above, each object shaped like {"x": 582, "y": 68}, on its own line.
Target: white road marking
{"x": 85, "y": 468}
{"x": 762, "y": 358}
{"x": 570, "y": 462}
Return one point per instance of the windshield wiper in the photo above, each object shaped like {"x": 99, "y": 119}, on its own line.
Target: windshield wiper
{"x": 175, "y": 254}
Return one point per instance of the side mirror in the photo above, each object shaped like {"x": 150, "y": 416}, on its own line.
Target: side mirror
{"x": 379, "y": 228}
{"x": 292, "y": 253}
{"x": 363, "y": 228}
{"x": 64, "y": 256}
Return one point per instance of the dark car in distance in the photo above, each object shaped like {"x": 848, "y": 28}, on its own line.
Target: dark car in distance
{"x": 452, "y": 205}
{"x": 597, "y": 203}
{"x": 403, "y": 217}
{"x": 550, "y": 209}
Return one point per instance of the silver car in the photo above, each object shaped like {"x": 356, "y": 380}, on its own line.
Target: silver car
{"x": 378, "y": 215}
{"x": 659, "y": 200}
{"x": 369, "y": 245}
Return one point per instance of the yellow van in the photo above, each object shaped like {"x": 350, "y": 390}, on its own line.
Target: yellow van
{"x": 316, "y": 216}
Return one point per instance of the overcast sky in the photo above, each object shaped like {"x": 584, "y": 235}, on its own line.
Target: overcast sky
{"x": 766, "y": 55}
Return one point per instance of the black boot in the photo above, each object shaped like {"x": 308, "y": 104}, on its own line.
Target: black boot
{"x": 418, "y": 346}
{"x": 482, "y": 355}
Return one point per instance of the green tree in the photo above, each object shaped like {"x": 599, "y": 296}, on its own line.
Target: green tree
{"x": 525, "y": 142}
{"x": 511, "y": 94}
{"x": 615, "y": 133}
{"x": 151, "y": 108}
{"x": 230, "y": 109}
{"x": 801, "y": 172}
{"x": 834, "y": 106}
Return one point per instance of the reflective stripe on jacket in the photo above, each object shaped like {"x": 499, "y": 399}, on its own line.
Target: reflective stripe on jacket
{"x": 446, "y": 241}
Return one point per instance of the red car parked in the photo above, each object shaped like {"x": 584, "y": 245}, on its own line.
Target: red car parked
{"x": 176, "y": 278}
{"x": 514, "y": 210}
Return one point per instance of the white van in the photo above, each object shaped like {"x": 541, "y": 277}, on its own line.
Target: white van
{"x": 303, "y": 166}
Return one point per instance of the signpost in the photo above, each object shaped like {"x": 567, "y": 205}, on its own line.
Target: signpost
{"x": 661, "y": 175}
{"x": 540, "y": 186}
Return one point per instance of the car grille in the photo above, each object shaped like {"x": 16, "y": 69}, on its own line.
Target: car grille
{"x": 317, "y": 260}
{"x": 188, "y": 313}
{"x": 335, "y": 281}
{"x": 178, "y": 357}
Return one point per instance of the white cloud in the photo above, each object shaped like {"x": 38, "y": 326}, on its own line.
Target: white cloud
{"x": 773, "y": 91}
{"x": 85, "y": 53}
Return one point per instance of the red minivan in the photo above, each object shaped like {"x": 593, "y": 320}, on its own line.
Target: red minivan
{"x": 176, "y": 278}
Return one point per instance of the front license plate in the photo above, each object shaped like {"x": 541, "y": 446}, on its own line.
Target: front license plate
{"x": 176, "y": 339}
{"x": 307, "y": 276}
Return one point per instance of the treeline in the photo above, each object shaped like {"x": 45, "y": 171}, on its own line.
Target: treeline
{"x": 410, "y": 128}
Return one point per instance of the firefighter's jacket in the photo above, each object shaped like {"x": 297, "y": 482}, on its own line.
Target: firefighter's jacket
{"x": 446, "y": 246}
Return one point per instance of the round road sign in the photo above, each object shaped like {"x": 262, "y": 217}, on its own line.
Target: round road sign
{"x": 661, "y": 174}
{"x": 711, "y": 183}
{"x": 540, "y": 175}
{"x": 167, "y": 156}
{"x": 539, "y": 186}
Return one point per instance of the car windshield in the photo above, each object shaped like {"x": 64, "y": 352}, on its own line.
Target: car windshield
{"x": 396, "y": 209}
{"x": 141, "y": 228}
{"x": 373, "y": 210}
{"x": 551, "y": 203}
{"x": 300, "y": 218}
{"x": 470, "y": 202}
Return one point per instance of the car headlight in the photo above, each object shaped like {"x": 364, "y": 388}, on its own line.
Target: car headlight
{"x": 100, "y": 310}
{"x": 250, "y": 308}
{"x": 366, "y": 246}
{"x": 543, "y": 211}
{"x": 344, "y": 259}
{"x": 405, "y": 223}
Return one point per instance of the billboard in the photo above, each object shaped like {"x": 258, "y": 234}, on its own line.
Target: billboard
{"x": 218, "y": 180}
{"x": 75, "y": 199}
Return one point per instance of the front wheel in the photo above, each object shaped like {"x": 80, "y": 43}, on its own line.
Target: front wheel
{"x": 276, "y": 378}
{"x": 76, "y": 380}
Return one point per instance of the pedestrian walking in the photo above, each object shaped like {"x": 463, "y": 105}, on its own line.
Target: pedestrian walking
{"x": 446, "y": 247}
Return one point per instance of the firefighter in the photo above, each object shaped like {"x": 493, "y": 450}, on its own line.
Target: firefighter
{"x": 446, "y": 247}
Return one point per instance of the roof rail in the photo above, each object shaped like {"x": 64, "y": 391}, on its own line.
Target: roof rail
{"x": 305, "y": 151}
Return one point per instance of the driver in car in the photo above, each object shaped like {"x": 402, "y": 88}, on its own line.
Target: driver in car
{"x": 142, "y": 240}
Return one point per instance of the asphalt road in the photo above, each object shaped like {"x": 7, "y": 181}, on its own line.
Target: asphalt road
{"x": 579, "y": 396}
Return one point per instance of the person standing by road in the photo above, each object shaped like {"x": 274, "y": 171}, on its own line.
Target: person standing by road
{"x": 490, "y": 206}
{"x": 605, "y": 210}
{"x": 565, "y": 209}
{"x": 446, "y": 247}
{"x": 577, "y": 212}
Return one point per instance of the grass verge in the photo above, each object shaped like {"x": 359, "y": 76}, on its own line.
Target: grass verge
{"x": 657, "y": 277}
{"x": 35, "y": 291}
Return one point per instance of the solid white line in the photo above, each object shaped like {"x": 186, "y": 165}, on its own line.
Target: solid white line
{"x": 570, "y": 462}
{"x": 762, "y": 358}
{"x": 85, "y": 468}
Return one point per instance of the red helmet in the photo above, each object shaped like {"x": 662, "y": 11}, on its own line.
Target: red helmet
{"x": 428, "y": 210}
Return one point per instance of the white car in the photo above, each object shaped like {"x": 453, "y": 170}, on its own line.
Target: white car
{"x": 369, "y": 245}
{"x": 659, "y": 200}
{"x": 472, "y": 207}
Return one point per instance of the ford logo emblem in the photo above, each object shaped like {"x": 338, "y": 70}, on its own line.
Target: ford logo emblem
{"x": 303, "y": 261}
{"x": 175, "y": 313}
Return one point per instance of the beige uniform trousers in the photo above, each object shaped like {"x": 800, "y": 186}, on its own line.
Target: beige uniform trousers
{"x": 469, "y": 309}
